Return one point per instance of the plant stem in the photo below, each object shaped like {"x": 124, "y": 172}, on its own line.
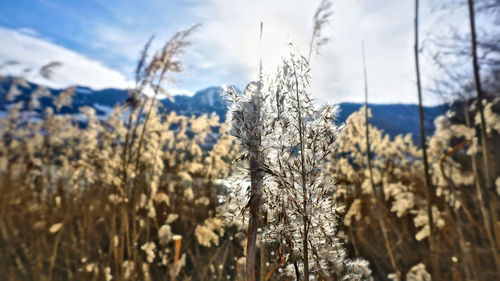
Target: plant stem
{"x": 256, "y": 179}
{"x": 372, "y": 183}
{"x": 428, "y": 184}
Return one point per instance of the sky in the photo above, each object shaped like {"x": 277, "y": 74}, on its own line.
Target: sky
{"x": 98, "y": 43}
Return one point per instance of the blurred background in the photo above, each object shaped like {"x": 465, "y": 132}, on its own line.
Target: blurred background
{"x": 117, "y": 156}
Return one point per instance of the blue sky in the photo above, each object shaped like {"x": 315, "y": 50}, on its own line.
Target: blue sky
{"x": 109, "y": 32}
{"x": 98, "y": 42}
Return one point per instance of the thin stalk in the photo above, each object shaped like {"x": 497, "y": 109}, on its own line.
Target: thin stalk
{"x": 256, "y": 180}
{"x": 369, "y": 162}
{"x": 428, "y": 183}
{"x": 263, "y": 251}
{"x": 484, "y": 138}
{"x": 305, "y": 219}
{"x": 477, "y": 83}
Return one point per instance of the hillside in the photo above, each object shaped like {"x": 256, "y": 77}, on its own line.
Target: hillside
{"x": 393, "y": 119}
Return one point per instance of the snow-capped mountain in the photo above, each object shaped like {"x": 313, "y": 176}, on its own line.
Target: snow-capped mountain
{"x": 392, "y": 118}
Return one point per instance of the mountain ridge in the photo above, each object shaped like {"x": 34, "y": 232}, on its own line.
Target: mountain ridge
{"x": 393, "y": 119}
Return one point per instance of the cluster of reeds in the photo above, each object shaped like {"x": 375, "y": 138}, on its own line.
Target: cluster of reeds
{"x": 465, "y": 212}
{"x": 131, "y": 197}
{"x": 137, "y": 196}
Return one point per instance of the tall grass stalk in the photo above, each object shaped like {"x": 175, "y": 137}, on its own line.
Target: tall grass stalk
{"x": 428, "y": 184}
{"x": 256, "y": 181}
{"x": 484, "y": 137}
{"x": 376, "y": 195}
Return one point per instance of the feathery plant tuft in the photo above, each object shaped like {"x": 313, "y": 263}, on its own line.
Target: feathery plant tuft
{"x": 295, "y": 139}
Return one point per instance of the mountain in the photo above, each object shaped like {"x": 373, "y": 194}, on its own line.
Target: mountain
{"x": 204, "y": 101}
{"x": 394, "y": 119}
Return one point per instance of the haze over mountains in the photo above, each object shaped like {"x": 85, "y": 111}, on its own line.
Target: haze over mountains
{"x": 393, "y": 119}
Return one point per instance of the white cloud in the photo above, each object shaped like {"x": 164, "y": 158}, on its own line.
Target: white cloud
{"x": 228, "y": 45}
{"x": 226, "y": 48}
{"x": 34, "y": 52}
{"x": 28, "y": 31}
